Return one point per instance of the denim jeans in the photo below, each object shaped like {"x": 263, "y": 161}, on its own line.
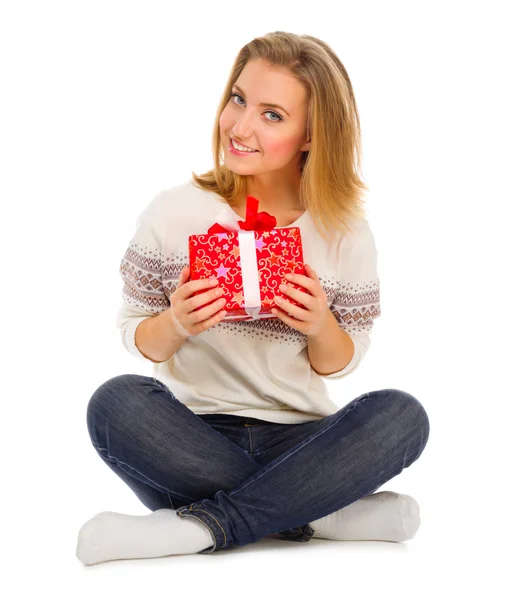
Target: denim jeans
{"x": 245, "y": 478}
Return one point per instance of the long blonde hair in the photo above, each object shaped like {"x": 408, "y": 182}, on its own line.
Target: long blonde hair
{"x": 331, "y": 188}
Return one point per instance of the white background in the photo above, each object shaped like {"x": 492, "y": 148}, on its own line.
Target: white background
{"x": 103, "y": 105}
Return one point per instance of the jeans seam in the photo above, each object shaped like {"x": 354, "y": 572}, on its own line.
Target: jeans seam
{"x": 299, "y": 527}
{"x": 214, "y": 545}
{"x": 351, "y": 407}
{"x": 212, "y": 516}
{"x": 250, "y": 441}
{"x": 158, "y": 487}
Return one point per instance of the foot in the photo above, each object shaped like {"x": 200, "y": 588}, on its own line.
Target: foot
{"x": 384, "y": 516}
{"x": 113, "y": 536}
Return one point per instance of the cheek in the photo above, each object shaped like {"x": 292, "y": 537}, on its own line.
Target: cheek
{"x": 226, "y": 120}
{"x": 223, "y": 121}
{"x": 280, "y": 147}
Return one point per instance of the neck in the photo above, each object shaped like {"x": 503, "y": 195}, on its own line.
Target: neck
{"x": 273, "y": 198}
{"x": 275, "y": 191}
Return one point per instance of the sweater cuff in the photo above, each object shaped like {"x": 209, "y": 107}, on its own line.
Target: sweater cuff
{"x": 128, "y": 339}
{"x": 350, "y": 366}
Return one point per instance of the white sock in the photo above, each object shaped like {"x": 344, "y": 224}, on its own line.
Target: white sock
{"x": 113, "y": 536}
{"x": 384, "y": 516}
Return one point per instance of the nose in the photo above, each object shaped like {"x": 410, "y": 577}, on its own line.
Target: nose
{"x": 243, "y": 129}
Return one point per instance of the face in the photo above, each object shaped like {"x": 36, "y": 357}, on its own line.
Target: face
{"x": 278, "y": 137}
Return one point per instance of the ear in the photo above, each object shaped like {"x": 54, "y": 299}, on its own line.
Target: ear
{"x": 306, "y": 146}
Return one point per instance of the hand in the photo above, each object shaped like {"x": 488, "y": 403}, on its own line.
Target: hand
{"x": 312, "y": 320}
{"x": 190, "y": 315}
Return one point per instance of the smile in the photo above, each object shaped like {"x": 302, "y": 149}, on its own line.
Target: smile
{"x": 241, "y": 148}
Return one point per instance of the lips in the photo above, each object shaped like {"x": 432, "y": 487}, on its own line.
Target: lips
{"x": 237, "y": 142}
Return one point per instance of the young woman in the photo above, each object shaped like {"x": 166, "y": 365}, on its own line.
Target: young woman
{"x": 235, "y": 438}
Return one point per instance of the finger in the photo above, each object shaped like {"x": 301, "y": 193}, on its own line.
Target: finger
{"x": 288, "y": 320}
{"x": 186, "y": 272}
{"x": 279, "y": 313}
{"x": 298, "y": 279}
{"x": 312, "y": 272}
{"x": 306, "y": 299}
{"x": 295, "y": 311}
{"x": 197, "y": 285}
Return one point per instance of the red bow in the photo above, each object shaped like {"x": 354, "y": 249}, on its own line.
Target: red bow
{"x": 255, "y": 221}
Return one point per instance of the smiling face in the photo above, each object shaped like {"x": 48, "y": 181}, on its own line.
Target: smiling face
{"x": 278, "y": 134}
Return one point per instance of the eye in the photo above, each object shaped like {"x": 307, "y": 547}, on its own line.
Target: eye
{"x": 268, "y": 111}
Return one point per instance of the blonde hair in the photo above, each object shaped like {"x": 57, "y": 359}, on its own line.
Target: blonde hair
{"x": 330, "y": 187}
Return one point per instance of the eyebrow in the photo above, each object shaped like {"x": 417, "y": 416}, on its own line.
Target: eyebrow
{"x": 263, "y": 103}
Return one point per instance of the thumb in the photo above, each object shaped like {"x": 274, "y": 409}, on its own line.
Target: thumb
{"x": 183, "y": 275}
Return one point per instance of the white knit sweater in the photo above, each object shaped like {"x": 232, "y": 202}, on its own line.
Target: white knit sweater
{"x": 256, "y": 368}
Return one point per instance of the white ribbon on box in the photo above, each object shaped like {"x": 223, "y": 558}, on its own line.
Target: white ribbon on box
{"x": 248, "y": 260}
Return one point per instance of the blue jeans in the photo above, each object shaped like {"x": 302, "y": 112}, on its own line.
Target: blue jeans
{"x": 245, "y": 478}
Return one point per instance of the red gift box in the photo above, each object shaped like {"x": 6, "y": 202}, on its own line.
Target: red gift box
{"x": 249, "y": 259}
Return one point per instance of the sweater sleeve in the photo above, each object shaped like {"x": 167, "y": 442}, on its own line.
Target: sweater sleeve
{"x": 357, "y": 301}
{"x": 140, "y": 270}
